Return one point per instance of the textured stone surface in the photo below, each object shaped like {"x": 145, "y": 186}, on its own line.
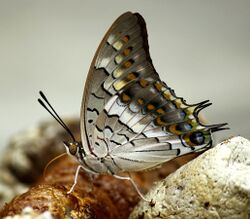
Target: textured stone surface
{"x": 30, "y": 150}
{"x": 9, "y": 186}
{"x": 26, "y": 155}
{"x": 214, "y": 185}
{"x": 102, "y": 197}
{"x": 29, "y": 213}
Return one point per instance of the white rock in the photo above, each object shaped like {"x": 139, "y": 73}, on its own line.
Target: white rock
{"x": 28, "y": 213}
{"x": 214, "y": 185}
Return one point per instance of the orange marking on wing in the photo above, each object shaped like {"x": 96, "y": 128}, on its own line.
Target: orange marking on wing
{"x": 125, "y": 39}
{"x": 140, "y": 101}
{"x": 158, "y": 86}
{"x": 125, "y": 97}
{"x": 143, "y": 83}
{"x": 160, "y": 111}
{"x": 150, "y": 107}
{"x": 127, "y": 51}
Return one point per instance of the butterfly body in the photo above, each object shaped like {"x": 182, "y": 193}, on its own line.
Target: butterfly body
{"x": 91, "y": 161}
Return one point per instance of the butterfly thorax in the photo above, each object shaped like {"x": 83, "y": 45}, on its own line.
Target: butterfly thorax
{"x": 90, "y": 161}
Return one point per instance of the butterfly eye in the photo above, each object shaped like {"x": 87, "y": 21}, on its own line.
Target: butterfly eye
{"x": 73, "y": 149}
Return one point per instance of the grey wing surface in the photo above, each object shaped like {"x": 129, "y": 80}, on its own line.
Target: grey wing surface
{"x": 128, "y": 113}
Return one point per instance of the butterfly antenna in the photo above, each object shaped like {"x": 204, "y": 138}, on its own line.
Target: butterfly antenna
{"x": 53, "y": 113}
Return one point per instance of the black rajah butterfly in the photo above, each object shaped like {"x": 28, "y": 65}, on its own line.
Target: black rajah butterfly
{"x": 130, "y": 119}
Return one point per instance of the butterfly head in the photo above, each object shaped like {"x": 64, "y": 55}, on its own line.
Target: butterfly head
{"x": 72, "y": 148}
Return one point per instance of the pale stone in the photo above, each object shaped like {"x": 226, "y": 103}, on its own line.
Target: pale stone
{"x": 214, "y": 185}
{"x": 29, "y": 213}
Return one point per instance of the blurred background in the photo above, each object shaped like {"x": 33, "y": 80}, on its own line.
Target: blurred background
{"x": 200, "y": 48}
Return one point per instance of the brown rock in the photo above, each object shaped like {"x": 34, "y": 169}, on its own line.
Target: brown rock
{"x": 55, "y": 199}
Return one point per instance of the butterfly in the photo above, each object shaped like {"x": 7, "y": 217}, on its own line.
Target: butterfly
{"x": 130, "y": 119}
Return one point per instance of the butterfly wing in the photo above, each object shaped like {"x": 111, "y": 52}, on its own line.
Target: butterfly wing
{"x": 128, "y": 113}
{"x": 95, "y": 95}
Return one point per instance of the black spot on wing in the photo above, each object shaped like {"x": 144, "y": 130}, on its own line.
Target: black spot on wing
{"x": 151, "y": 150}
{"x": 93, "y": 110}
{"x": 132, "y": 160}
{"x": 104, "y": 70}
{"x": 93, "y": 94}
{"x": 124, "y": 136}
{"x": 115, "y": 142}
{"x": 100, "y": 130}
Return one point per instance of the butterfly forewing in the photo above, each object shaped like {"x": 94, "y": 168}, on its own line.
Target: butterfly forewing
{"x": 108, "y": 68}
{"x": 127, "y": 112}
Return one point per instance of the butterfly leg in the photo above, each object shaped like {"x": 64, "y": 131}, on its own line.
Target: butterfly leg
{"x": 76, "y": 176}
{"x": 75, "y": 179}
{"x": 134, "y": 184}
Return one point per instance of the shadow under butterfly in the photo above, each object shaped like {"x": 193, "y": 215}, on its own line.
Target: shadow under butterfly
{"x": 130, "y": 119}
